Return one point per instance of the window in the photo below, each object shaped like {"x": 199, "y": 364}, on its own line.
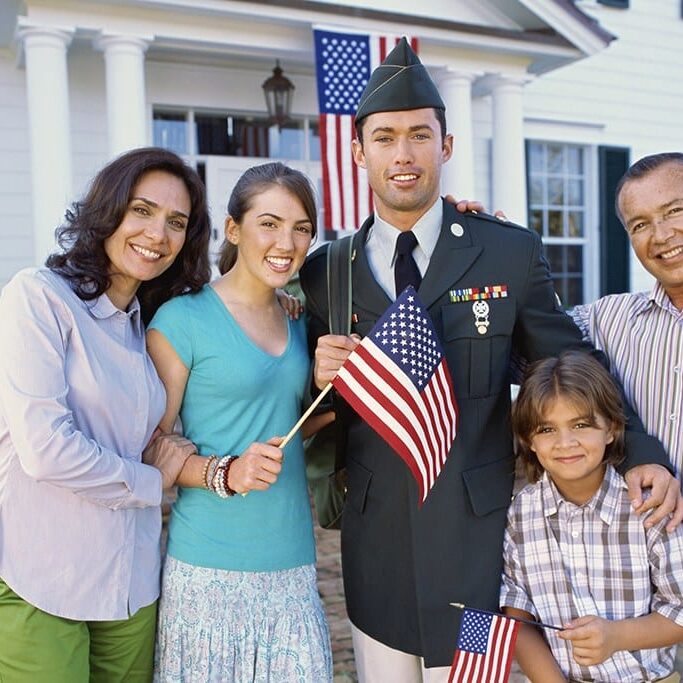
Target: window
{"x": 222, "y": 145}
{"x": 235, "y": 135}
{"x": 170, "y": 131}
{"x": 557, "y": 211}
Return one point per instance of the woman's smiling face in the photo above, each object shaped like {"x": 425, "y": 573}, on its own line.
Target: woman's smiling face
{"x": 272, "y": 238}
{"x": 150, "y": 236}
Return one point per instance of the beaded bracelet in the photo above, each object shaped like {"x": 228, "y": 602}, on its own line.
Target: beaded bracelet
{"x": 226, "y": 470}
{"x": 219, "y": 481}
{"x": 205, "y": 470}
{"x": 211, "y": 472}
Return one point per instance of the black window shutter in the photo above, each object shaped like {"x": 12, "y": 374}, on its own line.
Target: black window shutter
{"x": 615, "y": 256}
{"x": 623, "y": 4}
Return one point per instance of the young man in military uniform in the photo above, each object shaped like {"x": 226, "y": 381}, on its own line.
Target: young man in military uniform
{"x": 404, "y": 563}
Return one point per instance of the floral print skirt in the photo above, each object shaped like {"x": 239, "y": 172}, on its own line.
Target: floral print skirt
{"x": 217, "y": 625}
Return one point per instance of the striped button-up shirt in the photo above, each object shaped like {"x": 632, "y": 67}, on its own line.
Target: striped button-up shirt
{"x": 642, "y": 335}
{"x": 563, "y": 561}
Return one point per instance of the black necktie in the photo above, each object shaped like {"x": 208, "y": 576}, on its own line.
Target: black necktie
{"x": 405, "y": 269}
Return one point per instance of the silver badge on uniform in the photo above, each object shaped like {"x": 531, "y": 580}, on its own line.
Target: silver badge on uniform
{"x": 481, "y": 316}
{"x": 457, "y": 230}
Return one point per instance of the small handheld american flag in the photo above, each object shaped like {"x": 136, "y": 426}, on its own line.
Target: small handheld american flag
{"x": 398, "y": 381}
{"x": 485, "y": 647}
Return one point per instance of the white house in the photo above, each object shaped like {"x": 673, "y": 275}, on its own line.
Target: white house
{"x": 548, "y": 101}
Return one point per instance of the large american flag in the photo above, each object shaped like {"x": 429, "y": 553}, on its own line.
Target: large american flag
{"x": 397, "y": 380}
{"x": 485, "y": 647}
{"x": 344, "y": 62}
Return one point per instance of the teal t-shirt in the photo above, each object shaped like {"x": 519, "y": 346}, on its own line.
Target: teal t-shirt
{"x": 236, "y": 394}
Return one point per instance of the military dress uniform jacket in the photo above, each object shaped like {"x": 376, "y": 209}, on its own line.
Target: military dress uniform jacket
{"x": 403, "y": 564}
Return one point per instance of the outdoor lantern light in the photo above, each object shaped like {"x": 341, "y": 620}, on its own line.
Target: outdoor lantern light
{"x": 278, "y": 91}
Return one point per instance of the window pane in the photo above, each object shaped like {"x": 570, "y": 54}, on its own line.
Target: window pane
{"x": 232, "y": 135}
{"x": 536, "y": 157}
{"x": 249, "y": 137}
{"x": 536, "y": 191}
{"x": 536, "y": 221}
{"x": 555, "y": 224}
{"x": 554, "y": 253}
{"x": 575, "y": 223}
{"x": 575, "y": 192}
{"x": 314, "y": 141}
{"x": 555, "y": 159}
{"x": 574, "y": 258}
{"x": 287, "y": 143}
{"x": 170, "y": 131}
{"x": 566, "y": 267}
{"x": 212, "y": 135}
{"x": 556, "y": 191}
{"x": 574, "y": 291}
{"x": 574, "y": 160}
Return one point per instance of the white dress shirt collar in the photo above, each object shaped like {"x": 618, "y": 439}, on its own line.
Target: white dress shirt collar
{"x": 380, "y": 247}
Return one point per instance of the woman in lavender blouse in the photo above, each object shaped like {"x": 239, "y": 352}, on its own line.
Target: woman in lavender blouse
{"x": 80, "y": 400}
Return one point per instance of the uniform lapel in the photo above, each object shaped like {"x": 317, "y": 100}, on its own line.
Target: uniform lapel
{"x": 452, "y": 258}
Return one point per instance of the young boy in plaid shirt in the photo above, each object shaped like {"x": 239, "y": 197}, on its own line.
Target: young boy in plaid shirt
{"x": 575, "y": 553}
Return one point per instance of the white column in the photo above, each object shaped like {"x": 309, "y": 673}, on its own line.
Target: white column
{"x": 508, "y": 158}
{"x": 124, "y": 58}
{"x": 458, "y": 174}
{"x": 47, "y": 90}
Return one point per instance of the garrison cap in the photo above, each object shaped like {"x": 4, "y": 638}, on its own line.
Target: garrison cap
{"x": 400, "y": 82}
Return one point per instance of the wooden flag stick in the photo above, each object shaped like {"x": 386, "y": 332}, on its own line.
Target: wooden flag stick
{"x": 459, "y": 605}
{"x": 305, "y": 416}
{"x": 302, "y": 419}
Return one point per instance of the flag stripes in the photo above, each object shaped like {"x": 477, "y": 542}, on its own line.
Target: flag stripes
{"x": 492, "y": 665}
{"x": 404, "y": 391}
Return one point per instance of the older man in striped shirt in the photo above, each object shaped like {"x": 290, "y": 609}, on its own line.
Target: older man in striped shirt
{"x": 642, "y": 333}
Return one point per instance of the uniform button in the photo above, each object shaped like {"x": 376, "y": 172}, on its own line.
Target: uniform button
{"x": 575, "y": 534}
{"x": 677, "y": 369}
{"x": 673, "y": 417}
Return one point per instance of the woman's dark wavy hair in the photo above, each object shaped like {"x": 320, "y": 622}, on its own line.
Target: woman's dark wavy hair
{"x": 90, "y": 221}
{"x": 258, "y": 179}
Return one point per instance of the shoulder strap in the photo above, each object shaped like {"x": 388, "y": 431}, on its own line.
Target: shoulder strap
{"x": 339, "y": 259}
{"x": 339, "y": 301}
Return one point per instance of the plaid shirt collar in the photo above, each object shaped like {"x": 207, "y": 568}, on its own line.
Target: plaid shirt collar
{"x": 603, "y": 504}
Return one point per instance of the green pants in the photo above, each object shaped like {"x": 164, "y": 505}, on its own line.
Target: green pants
{"x": 36, "y": 647}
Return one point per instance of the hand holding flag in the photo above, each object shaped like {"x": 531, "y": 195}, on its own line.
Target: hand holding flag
{"x": 397, "y": 380}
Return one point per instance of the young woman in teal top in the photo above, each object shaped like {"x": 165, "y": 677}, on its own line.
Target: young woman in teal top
{"x": 239, "y": 595}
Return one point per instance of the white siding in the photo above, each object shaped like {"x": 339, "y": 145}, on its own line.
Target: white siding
{"x": 629, "y": 94}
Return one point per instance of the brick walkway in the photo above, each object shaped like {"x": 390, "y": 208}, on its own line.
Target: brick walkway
{"x": 332, "y": 593}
